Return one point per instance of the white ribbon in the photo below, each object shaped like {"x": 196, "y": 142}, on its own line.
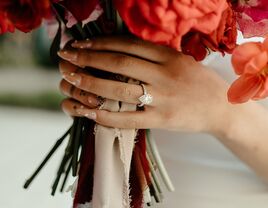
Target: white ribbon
{"x": 113, "y": 153}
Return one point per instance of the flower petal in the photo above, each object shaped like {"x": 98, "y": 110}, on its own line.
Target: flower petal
{"x": 263, "y": 92}
{"x": 82, "y": 9}
{"x": 244, "y": 88}
{"x": 265, "y": 44}
{"x": 242, "y": 54}
{"x": 257, "y": 63}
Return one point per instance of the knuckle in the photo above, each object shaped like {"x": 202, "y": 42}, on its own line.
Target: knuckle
{"x": 167, "y": 117}
{"x": 89, "y": 83}
{"x": 82, "y": 57}
{"x": 122, "y": 61}
{"x": 132, "y": 123}
{"x": 171, "y": 80}
{"x": 103, "y": 117}
{"x": 123, "y": 92}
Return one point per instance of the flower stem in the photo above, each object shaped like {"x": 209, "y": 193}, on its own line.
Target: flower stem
{"x": 66, "y": 175}
{"x": 51, "y": 152}
{"x": 76, "y": 146}
{"x": 162, "y": 170}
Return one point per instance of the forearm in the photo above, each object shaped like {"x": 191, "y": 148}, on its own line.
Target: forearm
{"x": 245, "y": 133}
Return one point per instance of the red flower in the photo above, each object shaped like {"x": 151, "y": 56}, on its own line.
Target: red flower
{"x": 5, "y": 24}
{"x": 81, "y": 9}
{"x": 252, "y": 17}
{"x": 165, "y": 22}
{"x": 222, "y": 39}
{"x": 250, "y": 61}
{"x": 25, "y": 15}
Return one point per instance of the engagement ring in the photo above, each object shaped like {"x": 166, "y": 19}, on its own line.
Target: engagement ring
{"x": 146, "y": 98}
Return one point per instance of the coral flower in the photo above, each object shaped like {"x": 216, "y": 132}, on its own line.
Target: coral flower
{"x": 250, "y": 61}
{"x": 165, "y": 21}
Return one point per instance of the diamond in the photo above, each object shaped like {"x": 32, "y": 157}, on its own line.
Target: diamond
{"x": 146, "y": 99}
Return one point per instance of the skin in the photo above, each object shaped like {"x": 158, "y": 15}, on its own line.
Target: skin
{"x": 188, "y": 96}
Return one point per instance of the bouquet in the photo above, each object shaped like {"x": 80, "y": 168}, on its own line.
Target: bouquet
{"x": 195, "y": 28}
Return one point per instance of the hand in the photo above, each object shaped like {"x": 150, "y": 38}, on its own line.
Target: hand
{"x": 187, "y": 95}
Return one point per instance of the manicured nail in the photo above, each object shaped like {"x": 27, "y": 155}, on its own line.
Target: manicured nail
{"x": 87, "y": 113}
{"x": 73, "y": 78}
{"x": 68, "y": 55}
{"x": 82, "y": 44}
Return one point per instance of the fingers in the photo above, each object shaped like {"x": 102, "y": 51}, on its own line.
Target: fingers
{"x": 114, "y": 90}
{"x": 114, "y": 62}
{"x": 70, "y": 107}
{"x": 87, "y": 86}
{"x": 66, "y": 66}
{"x": 127, "y": 45}
{"x": 138, "y": 119}
{"x": 82, "y": 96}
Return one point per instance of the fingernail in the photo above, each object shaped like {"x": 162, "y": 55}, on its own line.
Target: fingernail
{"x": 82, "y": 44}
{"x": 73, "y": 78}
{"x": 68, "y": 55}
{"x": 87, "y": 113}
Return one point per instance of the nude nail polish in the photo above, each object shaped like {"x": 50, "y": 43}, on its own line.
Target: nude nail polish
{"x": 72, "y": 78}
{"x": 82, "y": 44}
{"x": 68, "y": 55}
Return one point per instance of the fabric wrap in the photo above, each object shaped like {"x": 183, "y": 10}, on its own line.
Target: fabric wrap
{"x": 113, "y": 153}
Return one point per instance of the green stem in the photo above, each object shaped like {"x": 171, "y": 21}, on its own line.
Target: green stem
{"x": 51, "y": 152}
{"x": 77, "y": 138}
{"x": 66, "y": 175}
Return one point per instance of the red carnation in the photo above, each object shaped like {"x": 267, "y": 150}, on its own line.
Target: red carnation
{"x": 223, "y": 39}
{"x": 25, "y": 15}
{"x": 165, "y": 21}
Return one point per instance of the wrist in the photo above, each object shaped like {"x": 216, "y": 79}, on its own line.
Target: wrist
{"x": 233, "y": 121}
{"x": 227, "y": 120}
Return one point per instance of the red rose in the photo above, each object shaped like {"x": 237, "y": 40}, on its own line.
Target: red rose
{"x": 222, "y": 39}
{"x": 165, "y": 21}
{"x": 5, "y": 24}
{"x": 25, "y": 15}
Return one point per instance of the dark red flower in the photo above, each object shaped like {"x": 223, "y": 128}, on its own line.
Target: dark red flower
{"x": 5, "y": 24}
{"x": 223, "y": 39}
{"x": 81, "y": 9}
{"x": 26, "y": 15}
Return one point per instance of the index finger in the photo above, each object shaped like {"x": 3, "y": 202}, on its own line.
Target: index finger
{"x": 129, "y": 45}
